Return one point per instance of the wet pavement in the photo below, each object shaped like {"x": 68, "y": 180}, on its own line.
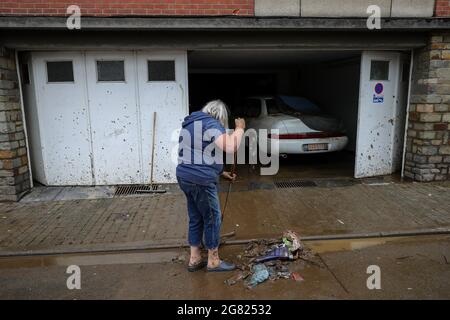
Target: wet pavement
{"x": 315, "y": 199}
{"x": 330, "y": 170}
{"x": 115, "y": 223}
{"x": 411, "y": 267}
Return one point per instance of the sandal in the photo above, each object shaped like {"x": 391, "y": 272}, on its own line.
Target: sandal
{"x": 223, "y": 267}
{"x": 197, "y": 266}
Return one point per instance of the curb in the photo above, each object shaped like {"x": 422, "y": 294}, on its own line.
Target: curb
{"x": 141, "y": 246}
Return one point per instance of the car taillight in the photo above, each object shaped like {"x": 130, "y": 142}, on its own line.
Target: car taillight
{"x": 306, "y": 135}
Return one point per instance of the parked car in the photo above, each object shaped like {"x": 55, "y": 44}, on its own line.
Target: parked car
{"x": 300, "y": 132}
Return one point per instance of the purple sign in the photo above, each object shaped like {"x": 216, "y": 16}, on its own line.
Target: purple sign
{"x": 379, "y": 88}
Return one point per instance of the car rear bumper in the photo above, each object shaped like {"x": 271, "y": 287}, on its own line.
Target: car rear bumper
{"x": 300, "y": 146}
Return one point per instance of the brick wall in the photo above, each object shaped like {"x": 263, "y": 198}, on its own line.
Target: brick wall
{"x": 130, "y": 7}
{"x": 428, "y": 143}
{"x": 160, "y": 7}
{"x": 443, "y": 8}
{"x": 14, "y": 175}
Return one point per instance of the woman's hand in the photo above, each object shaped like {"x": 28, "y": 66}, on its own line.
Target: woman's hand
{"x": 239, "y": 123}
{"x": 227, "y": 175}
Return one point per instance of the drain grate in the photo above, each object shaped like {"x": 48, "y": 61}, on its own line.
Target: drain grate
{"x": 126, "y": 190}
{"x": 295, "y": 184}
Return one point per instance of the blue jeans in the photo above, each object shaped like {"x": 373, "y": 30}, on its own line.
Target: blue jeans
{"x": 204, "y": 213}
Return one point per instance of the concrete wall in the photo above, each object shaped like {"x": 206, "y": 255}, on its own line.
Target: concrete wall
{"x": 14, "y": 174}
{"x": 342, "y": 8}
{"x": 346, "y": 8}
{"x": 412, "y": 8}
{"x": 277, "y": 8}
{"x": 428, "y": 143}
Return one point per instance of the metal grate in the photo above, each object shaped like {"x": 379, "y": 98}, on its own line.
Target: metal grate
{"x": 295, "y": 184}
{"x": 126, "y": 190}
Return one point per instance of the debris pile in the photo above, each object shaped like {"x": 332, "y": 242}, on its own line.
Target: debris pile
{"x": 269, "y": 260}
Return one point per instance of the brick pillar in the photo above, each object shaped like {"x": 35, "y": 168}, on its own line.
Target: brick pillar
{"x": 428, "y": 146}
{"x": 14, "y": 174}
{"x": 442, "y": 8}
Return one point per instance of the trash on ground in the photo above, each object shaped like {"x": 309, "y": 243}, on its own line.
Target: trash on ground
{"x": 271, "y": 259}
{"x": 404, "y": 257}
{"x": 292, "y": 241}
{"x": 181, "y": 258}
{"x": 260, "y": 274}
{"x": 238, "y": 276}
{"x": 279, "y": 253}
{"x": 279, "y": 272}
{"x": 296, "y": 277}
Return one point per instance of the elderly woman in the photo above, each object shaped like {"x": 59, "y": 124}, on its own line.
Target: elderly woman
{"x": 198, "y": 173}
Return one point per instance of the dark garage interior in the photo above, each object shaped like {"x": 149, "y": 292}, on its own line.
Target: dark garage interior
{"x": 328, "y": 79}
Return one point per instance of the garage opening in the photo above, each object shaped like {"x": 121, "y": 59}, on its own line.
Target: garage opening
{"x": 329, "y": 81}
{"x": 90, "y": 115}
{"x": 344, "y": 93}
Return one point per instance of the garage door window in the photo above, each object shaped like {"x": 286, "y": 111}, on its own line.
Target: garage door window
{"x": 110, "y": 71}
{"x": 161, "y": 70}
{"x": 272, "y": 106}
{"x": 59, "y": 71}
{"x": 379, "y": 70}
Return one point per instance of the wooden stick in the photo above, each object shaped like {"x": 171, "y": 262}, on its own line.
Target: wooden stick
{"x": 228, "y": 235}
{"x": 152, "y": 160}
{"x": 233, "y": 170}
{"x": 153, "y": 147}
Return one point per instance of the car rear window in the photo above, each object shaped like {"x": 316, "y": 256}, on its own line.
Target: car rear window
{"x": 272, "y": 106}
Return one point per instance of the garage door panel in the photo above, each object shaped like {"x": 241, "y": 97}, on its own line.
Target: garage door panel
{"x": 114, "y": 117}
{"x": 163, "y": 92}
{"x": 63, "y": 118}
{"x": 95, "y": 113}
{"x": 376, "y": 118}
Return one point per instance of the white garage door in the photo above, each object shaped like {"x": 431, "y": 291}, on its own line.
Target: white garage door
{"x": 95, "y": 113}
{"x": 111, "y": 83}
{"x": 382, "y": 108}
{"x": 162, "y": 89}
{"x": 62, "y": 114}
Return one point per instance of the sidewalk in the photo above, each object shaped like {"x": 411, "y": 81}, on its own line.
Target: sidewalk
{"x": 81, "y": 225}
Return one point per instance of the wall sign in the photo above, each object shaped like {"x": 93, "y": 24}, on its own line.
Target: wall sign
{"x": 378, "y": 97}
{"x": 379, "y": 88}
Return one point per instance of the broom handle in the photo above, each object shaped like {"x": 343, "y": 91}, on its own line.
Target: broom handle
{"x": 233, "y": 170}
{"x": 153, "y": 147}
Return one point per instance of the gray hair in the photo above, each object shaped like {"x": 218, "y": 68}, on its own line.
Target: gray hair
{"x": 218, "y": 110}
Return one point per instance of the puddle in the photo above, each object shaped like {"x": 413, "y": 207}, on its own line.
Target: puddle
{"x": 88, "y": 259}
{"x": 165, "y": 256}
{"x": 324, "y": 246}
{"x": 347, "y": 245}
